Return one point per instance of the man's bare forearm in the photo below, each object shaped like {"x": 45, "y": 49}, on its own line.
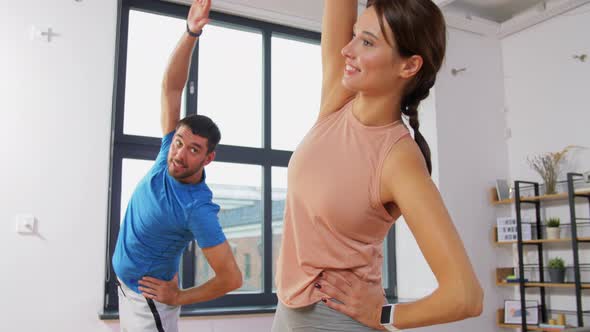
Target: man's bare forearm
{"x": 177, "y": 70}
{"x": 210, "y": 290}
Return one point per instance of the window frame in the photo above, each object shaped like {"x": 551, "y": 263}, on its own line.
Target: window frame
{"x": 146, "y": 148}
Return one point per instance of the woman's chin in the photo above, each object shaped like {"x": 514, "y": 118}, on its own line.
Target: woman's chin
{"x": 350, "y": 84}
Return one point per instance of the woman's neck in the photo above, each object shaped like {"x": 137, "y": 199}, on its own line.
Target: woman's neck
{"x": 376, "y": 111}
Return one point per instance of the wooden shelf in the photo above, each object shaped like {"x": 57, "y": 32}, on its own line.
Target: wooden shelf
{"x": 531, "y": 328}
{"x": 560, "y": 240}
{"x": 503, "y": 272}
{"x": 554, "y": 197}
{"x": 541, "y": 284}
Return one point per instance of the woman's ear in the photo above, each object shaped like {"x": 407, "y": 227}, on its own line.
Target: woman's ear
{"x": 411, "y": 66}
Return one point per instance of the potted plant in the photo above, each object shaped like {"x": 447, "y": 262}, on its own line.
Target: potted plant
{"x": 553, "y": 228}
{"x": 557, "y": 270}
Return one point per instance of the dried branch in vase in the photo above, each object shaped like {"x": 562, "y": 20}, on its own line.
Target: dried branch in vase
{"x": 547, "y": 165}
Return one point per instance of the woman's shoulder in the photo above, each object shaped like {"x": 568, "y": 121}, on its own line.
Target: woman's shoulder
{"x": 404, "y": 158}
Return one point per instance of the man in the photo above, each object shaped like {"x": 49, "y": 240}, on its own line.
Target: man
{"x": 170, "y": 207}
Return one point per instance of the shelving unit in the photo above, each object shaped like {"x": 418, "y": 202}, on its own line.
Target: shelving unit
{"x": 539, "y": 243}
{"x": 572, "y": 195}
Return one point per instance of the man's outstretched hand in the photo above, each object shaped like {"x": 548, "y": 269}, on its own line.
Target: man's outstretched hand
{"x": 198, "y": 15}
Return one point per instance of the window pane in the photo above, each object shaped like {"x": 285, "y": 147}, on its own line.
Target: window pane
{"x": 279, "y": 194}
{"x": 237, "y": 188}
{"x": 385, "y": 273}
{"x": 152, "y": 39}
{"x": 230, "y": 83}
{"x": 132, "y": 171}
{"x": 296, "y": 89}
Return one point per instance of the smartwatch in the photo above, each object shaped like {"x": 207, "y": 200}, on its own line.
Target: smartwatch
{"x": 193, "y": 34}
{"x": 387, "y": 311}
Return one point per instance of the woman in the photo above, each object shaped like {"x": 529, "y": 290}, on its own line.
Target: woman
{"x": 358, "y": 170}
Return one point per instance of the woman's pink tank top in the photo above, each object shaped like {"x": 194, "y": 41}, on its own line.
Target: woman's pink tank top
{"x": 334, "y": 219}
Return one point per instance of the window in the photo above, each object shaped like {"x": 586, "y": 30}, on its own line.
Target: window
{"x": 230, "y": 62}
{"x": 260, "y": 83}
{"x": 295, "y": 105}
{"x": 279, "y": 194}
{"x": 247, "y": 269}
{"x": 237, "y": 189}
{"x": 143, "y": 69}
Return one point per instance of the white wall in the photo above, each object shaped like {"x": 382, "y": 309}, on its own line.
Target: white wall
{"x": 547, "y": 91}
{"x": 471, "y": 154}
{"x": 56, "y": 101}
{"x": 548, "y": 108}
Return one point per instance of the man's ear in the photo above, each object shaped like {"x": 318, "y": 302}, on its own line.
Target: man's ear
{"x": 210, "y": 158}
{"x": 411, "y": 66}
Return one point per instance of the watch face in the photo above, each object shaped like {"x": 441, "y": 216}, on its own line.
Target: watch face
{"x": 386, "y": 314}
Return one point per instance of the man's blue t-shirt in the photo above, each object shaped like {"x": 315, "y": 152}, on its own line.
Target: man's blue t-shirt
{"x": 162, "y": 217}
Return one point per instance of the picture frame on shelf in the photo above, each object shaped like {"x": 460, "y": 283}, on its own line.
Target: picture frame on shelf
{"x": 512, "y": 312}
{"x": 507, "y": 230}
{"x": 502, "y": 189}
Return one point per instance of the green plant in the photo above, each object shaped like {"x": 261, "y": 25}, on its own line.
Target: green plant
{"x": 557, "y": 263}
{"x": 553, "y": 222}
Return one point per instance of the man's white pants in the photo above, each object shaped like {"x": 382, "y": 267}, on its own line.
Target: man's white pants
{"x": 138, "y": 314}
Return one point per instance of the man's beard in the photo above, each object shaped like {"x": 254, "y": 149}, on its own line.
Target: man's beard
{"x": 185, "y": 174}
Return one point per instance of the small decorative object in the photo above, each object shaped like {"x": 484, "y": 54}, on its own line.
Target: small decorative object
{"x": 507, "y": 230}
{"x": 513, "y": 312}
{"x": 456, "y": 71}
{"x": 553, "y": 228}
{"x": 561, "y": 319}
{"x": 584, "y": 185}
{"x": 547, "y": 165}
{"x": 514, "y": 279}
{"x": 557, "y": 270}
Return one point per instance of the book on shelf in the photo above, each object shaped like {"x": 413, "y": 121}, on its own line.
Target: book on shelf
{"x": 515, "y": 280}
{"x": 553, "y": 327}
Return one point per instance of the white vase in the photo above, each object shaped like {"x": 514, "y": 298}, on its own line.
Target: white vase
{"x": 553, "y": 233}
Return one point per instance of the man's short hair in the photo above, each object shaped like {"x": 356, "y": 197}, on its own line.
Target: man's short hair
{"x": 203, "y": 126}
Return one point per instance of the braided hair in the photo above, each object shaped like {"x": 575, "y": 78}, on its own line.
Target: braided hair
{"x": 418, "y": 28}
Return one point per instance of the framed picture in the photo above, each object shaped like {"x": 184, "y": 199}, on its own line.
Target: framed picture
{"x": 513, "y": 314}
{"x": 507, "y": 230}
{"x": 503, "y": 189}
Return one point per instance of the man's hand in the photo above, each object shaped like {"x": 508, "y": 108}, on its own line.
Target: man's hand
{"x": 166, "y": 292}
{"x": 198, "y": 15}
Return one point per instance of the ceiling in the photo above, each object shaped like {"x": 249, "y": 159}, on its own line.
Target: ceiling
{"x": 498, "y": 11}
{"x": 501, "y": 18}
{"x": 492, "y": 18}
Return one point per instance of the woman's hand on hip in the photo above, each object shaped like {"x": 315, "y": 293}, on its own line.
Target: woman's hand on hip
{"x": 347, "y": 293}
